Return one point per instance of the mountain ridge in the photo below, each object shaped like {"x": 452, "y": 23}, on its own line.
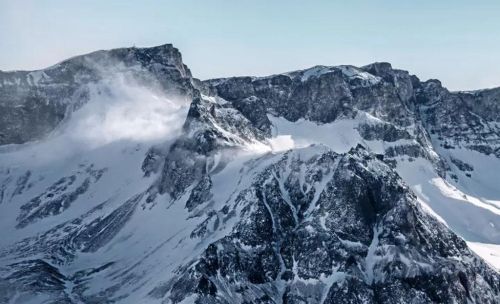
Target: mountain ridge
{"x": 331, "y": 184}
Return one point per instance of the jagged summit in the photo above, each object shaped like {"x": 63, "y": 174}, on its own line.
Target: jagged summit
{"x": 376, "y": 68}
{"x": 161, "y": 52}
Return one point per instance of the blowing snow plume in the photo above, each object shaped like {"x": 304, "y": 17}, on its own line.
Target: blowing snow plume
{"x": 121, "y": 110}
{"x": 118, "y": 109}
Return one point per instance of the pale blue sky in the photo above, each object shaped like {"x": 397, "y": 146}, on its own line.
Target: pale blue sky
{"x": 455, "y": 41}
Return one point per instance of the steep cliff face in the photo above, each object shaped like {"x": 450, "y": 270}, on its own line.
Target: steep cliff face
{"x": 463, "y": 119}
{"x": 327, "y": 185}
{"x": 323, "y": 94}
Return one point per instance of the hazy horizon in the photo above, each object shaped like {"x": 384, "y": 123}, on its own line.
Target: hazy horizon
{"x": 455, "y": 42}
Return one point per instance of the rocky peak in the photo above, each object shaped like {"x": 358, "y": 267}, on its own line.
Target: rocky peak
{"x": 36, "y": 102}
{"x": 381, "y": 69}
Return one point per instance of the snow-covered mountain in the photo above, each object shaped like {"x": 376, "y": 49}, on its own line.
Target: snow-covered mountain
{"x": 123, "y": 179}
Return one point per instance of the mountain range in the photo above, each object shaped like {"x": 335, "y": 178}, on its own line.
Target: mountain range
{"x": 124, "y": 179}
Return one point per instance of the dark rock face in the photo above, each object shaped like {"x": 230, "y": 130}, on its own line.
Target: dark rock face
{"x": 34, "y": 276}
{"x": 34, "y": 103}
{"x": 463, "y": 119}
{"x": 360, "y": 237}
{"x": 322, "y": 94}
{"x": 461, "y": 164}
{"x": 255, "y": 111}
{"x": 59, "y": 244}
{"x": 200, "y": 193}
{"x": 57, "y": 197}
{"x": 384, "y": 132}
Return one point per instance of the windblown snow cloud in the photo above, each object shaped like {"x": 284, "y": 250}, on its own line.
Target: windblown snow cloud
{"x": 122, "y": 110}
{"x": 281, "y": 143}
{"x": 119, "y": 109}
